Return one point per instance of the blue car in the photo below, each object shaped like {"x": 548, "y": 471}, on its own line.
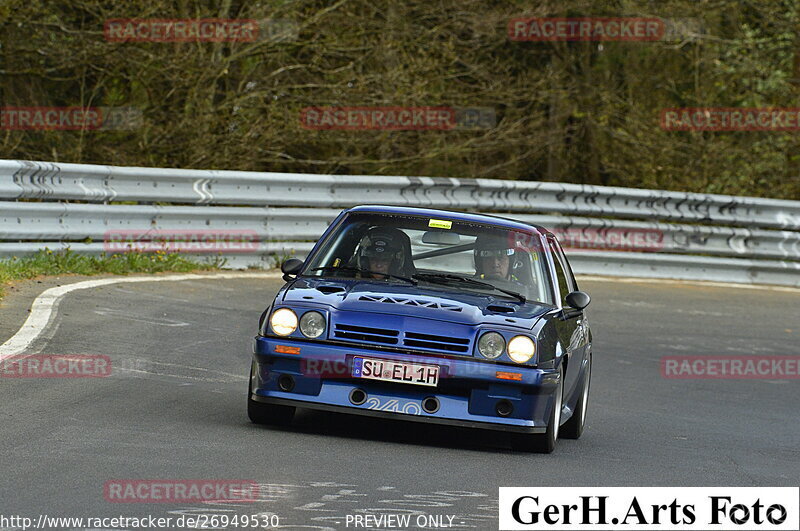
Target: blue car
{"x": 429, "y": 316}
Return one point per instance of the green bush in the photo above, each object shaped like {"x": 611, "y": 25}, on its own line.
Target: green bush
{"x": 47, "y": 262}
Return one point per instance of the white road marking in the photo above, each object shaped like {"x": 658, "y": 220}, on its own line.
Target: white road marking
{"x": 46, "y": 304}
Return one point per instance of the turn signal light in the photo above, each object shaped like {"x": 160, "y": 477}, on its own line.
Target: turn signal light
{"x": 509, "y": 376}
{"x": 286, "y": 349}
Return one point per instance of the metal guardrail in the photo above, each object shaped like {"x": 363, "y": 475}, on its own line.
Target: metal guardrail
{"x": 700, "y": 236}
{"x": 77, "y": 222}
{"x": 82, "y": 182}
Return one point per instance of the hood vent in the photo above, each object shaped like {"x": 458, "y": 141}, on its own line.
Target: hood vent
{"x": 500, "y": 309}
{"x": 411, "y": 302}
{"x": 327, "y": 290}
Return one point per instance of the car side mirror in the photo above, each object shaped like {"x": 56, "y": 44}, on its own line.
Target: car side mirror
{"x": 578, "y": 300}
{"x": 290, "y": 267}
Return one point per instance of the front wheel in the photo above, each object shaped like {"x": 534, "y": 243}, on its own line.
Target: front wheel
{"x": 543, "y": 443}
{"x": 573, "y": 428}
{"x": 260, "y": 413}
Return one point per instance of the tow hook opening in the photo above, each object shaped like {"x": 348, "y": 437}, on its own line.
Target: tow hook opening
{"x": 504, "y": 407}
{"x": 358, "y": 397}
{"x": 286, "y": 383}
{"x": 430, "y": 404}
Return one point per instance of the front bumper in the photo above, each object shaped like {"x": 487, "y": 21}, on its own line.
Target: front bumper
{"x": 468, "y": 391}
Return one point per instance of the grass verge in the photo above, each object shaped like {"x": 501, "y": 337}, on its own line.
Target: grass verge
{"x": 48, "y": 262}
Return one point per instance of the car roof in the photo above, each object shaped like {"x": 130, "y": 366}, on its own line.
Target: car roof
{"x": 451, "y": 215}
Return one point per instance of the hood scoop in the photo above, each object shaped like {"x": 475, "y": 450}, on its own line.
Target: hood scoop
{"x": 500, "y": 309}
{"x": 410, "y": 302}
{"x": 327, "y": 290}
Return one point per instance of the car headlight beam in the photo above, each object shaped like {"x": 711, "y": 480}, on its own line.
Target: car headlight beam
{"x": 491, "y": 345}
{"x": 521, "y": 349}
{"x": 312, "y": 324}
{"x": 283, "y": 321}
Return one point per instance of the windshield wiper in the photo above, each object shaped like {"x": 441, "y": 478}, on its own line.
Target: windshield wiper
{"x": 365, "y": 271}
{"x": 448, "y": 278}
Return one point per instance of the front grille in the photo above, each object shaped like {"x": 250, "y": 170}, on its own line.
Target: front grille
{"x": 366, "y": 333}
{"x": 431, "y": 342}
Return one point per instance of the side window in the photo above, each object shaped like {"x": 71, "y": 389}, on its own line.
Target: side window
{"x": 573, "y": 284}
{"x": 566, "y": 282}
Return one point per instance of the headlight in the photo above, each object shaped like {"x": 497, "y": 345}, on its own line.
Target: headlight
{"x": 312, "y": 324}
{"x": 521, "y": 349}
{"x": 491, "y": 345}
{"x": 283, "y": 321}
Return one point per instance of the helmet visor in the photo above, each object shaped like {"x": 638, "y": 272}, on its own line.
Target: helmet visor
{"x": 495, "y": 253}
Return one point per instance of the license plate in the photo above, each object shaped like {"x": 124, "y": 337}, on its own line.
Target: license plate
{"x": 396, "y": 371}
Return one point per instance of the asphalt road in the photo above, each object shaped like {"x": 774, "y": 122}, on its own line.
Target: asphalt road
{"x": 174, "y": 408}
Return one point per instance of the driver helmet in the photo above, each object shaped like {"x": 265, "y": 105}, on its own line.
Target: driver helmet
{"x": 382, "y": 243}
{"x": 489, "y": 245}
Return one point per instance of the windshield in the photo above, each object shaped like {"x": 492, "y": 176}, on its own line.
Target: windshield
{"x": 435, "y": 253}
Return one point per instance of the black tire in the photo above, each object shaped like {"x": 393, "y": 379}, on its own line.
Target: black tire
{"x": 573, "y": 428}
{"x": 269, "y": 414}
{"x": 543, "y": 443}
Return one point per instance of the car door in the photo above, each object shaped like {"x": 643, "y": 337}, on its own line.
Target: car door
{"x": 583, "y": 321}
{"x": 569, "y": 325}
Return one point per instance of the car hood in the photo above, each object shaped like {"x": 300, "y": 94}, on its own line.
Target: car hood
{"x": 442, "y": 304}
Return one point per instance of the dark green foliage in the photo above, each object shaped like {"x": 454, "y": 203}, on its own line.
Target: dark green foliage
{"x": 581, "y": 112}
